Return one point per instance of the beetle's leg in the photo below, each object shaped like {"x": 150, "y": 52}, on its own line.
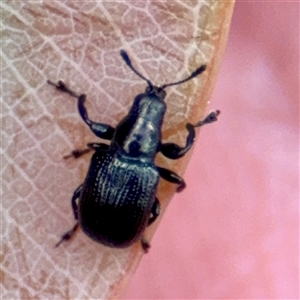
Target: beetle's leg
{"x": 172, "y": 177}
{"x": 66, "y": 236}
{"x": 101, "y": 130}
{"x": 60, "y": 85}
{"x": 145, "y": 244}
{"x": 77, "y": 153}
{"x": 155, "y": 210}
{"x": 74, "y": 204}
{"x": 91, "y": 146}
{"x": 174, "y": 151}
{"x": 98, "y": 146}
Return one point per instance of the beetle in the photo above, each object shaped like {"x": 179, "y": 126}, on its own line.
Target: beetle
{"x": 117, "y": 199}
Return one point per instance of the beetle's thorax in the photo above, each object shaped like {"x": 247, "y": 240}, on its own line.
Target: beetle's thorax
{"x": 138, "y": 135}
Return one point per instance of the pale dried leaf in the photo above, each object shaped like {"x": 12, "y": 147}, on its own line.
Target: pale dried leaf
{"x": 79, "y": 42}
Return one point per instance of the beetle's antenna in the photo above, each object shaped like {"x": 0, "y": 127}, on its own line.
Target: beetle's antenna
{"x": 129, "y": 64}
{"x": 197, "y": 72}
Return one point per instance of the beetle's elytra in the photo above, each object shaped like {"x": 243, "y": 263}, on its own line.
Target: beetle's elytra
{"x": 117, "y": 200}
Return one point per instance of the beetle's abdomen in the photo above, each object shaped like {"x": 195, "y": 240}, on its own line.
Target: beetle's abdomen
{"x": 116, "y": 201}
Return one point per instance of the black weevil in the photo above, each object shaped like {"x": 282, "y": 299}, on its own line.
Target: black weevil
{"x": 117, "y": 200}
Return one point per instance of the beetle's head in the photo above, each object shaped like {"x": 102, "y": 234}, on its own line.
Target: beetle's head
{"x": 156, "y": 91}
{"x": 159, "y": 91}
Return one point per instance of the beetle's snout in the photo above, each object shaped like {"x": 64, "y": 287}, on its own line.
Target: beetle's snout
{"x": 156, "y": 91}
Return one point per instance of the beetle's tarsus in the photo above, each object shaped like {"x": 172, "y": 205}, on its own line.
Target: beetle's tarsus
{"x": 212, "y": 117}
{"x": 145, "y": 244}
{"x": 68, "y": 235}
{"x": 60, "y": 85}
{"x": 77, "y": 153}
{"x": 90, "y": 146}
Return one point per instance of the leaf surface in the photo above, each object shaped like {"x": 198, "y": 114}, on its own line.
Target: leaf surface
{"x": 79, "y": 42}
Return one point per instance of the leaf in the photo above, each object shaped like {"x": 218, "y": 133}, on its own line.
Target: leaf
{"x": 79, "y": 42}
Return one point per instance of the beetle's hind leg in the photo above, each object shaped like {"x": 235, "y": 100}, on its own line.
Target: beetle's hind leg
{"x": 145, "y": 244}
{"x": 174, "y": 151}
{"x": 68, "y": 235}
{"x": 155, "y": 210}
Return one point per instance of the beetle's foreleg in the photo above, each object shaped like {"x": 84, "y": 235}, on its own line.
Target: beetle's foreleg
{"x": 172, "y": 177}
{"x": 68, "y": 235}
{"x": 155, "y": 210}
{"x": 77, "y": 153}
{"x": 212, "y": 117}
{"x": 101, "y": 130}
{"x": 174, "y": 151}
{"x": 60, "y": 85}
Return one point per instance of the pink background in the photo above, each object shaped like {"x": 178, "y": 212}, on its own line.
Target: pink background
{"x": 234, "y": 232}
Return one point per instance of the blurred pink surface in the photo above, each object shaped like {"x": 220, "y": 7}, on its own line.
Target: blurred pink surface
{"x": 234, "y": 232}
